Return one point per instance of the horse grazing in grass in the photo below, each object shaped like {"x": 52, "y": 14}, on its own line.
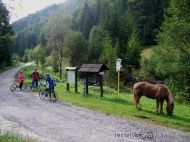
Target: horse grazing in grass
{"x": 154, "y": 91}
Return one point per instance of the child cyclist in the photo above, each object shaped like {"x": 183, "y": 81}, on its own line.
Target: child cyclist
{"x": 35, "y": 78}
{"x": 20, "y": 79}
{"x": 51, "y": 82}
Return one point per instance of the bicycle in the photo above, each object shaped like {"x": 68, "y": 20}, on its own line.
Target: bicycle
{"x": 35, "y": 86}
{"x": 44, "y": 92}
{"x": 15, "y": 86}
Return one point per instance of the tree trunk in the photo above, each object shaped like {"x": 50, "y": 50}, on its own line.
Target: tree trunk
{"x": 61, "y": 60}
{"x": 60, "y": 70}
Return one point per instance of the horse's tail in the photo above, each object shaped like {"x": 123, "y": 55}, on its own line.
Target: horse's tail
{"x": 134, "y": 102}
{"x": 134, "y": 96}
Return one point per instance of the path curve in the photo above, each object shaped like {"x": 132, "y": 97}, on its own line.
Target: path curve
{"x": 26, "y": 114}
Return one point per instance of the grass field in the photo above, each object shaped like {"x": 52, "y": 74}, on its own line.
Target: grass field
{"x": 12, "y": 138}
{"x": 122, "y": 107}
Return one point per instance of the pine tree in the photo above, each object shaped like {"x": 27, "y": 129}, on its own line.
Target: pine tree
{"x": 5, "y": 36}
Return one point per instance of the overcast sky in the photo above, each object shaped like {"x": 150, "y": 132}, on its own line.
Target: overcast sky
{"x": 22, "y": 8}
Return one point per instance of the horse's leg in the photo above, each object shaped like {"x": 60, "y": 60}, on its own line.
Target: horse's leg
{"x": 138, "y": 102}
{"x": 137, "y": 99}
{"x": 161, "y": 106}
{"x": 157, "y": 106}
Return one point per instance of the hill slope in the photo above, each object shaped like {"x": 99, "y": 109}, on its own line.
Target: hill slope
{"x": 29, "y": 30}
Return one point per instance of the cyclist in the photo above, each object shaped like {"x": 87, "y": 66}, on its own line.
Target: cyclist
{"x": 20, "y": 79}
{"x": 51, "y": 82}
{"x": 35, "y": 78}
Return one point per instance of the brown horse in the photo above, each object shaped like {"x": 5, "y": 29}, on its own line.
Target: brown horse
{"x": 154, "y": 91}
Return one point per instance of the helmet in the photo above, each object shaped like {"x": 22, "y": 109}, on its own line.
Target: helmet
{"x": 47, "y": 74}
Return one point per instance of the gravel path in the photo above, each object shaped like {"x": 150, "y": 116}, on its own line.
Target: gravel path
{"x": 24, "y": 113}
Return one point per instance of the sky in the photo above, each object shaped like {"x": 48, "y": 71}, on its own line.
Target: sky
{"x": 21, "y": 8}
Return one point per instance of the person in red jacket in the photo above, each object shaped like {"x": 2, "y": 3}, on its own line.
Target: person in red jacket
{"x": 35, "y": 78}
{"x": 20, "y": 79}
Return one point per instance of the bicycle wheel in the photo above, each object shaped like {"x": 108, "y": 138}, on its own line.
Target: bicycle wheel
{"x": 43, "y": 95}
{"x": 13, "y": 87}
{"x": 41, "y": 88}
{"x": 53, "y": 96}
{"x": 24, "y": 87}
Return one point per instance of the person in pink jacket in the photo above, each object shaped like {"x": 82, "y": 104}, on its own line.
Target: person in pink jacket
{"x": 20, "y": 79}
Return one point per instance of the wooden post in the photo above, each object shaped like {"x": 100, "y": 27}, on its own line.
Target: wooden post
{"x": 101, "y": 85}
{"x": 76, "y": 83}
{"x": 86, "y": 83}
{"x": 118, "y": 84}
{"x": 67, "y": 86}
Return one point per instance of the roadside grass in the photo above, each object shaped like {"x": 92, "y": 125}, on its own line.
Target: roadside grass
{"x": 122, "y": 107}
{"x": 13, "y": 138}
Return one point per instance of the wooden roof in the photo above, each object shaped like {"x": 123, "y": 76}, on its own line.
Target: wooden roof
{"x": 92, "y": 68}
{"x": 71, "y": 68}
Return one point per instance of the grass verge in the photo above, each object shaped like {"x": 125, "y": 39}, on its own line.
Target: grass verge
{"x": 124, "y": 107}
{"x": 13, "y": 138}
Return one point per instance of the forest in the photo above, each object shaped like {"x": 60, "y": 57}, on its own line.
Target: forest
{"x": 152, "y": 37}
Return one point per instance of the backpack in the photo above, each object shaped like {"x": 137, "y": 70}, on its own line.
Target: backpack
{"x": 54, "y": 82}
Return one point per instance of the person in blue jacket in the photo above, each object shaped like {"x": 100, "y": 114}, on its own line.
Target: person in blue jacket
{"x": 50, "y": 82}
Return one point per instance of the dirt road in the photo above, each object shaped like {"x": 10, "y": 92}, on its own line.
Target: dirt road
{"x": 26, "y": 114}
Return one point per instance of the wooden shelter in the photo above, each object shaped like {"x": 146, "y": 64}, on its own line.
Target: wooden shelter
{"x": 94, "y": 73}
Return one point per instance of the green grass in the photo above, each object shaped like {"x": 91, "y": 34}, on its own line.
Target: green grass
{"x": 122, "y": 107}
{"x": 27, "y": 71}
{"x": 13, "y": 138}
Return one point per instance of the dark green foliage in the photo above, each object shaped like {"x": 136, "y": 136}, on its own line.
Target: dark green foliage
{"x": 148, "y": 15}
{"x": 170, "y": 61}
{"x": 5, "y": 36}
{"x": 178, "y": 22}
{"x": 121, "y": 29}
{"x": 86, "y": 17}
{"x": 76, "y": 49}
{"x": 108, "y": 57}
{"x": 85, "y": 24}
{"x": 95, "y": 44}
{"x": 54, "y": 63}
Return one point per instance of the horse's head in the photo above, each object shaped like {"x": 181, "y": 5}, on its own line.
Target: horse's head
{"x": 170, "y": 103}
{"x": 169, "y": 108}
